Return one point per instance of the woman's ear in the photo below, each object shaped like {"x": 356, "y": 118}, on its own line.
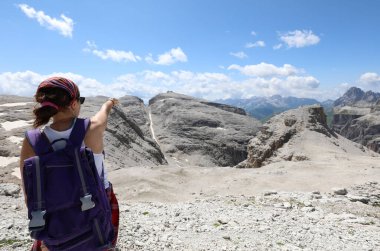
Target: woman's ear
{"x": 74, "y": 104}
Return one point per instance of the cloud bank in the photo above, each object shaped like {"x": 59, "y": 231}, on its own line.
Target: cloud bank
{"x": 208, "y": 85}
{"x": 370, "y": 80}
{"x": 265, "y": 70}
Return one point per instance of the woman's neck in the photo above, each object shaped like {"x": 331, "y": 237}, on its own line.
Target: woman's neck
{"x": 62, "y": 123}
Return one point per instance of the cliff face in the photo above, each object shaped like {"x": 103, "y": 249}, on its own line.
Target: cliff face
{"x": 301, "y": 134}
{"x": 192, "y": 131}
{"x": 357, "y": 117}
{"x": 280, "y": 130}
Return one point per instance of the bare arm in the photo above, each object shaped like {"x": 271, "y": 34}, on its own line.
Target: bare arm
{"x": 94, "y": 136}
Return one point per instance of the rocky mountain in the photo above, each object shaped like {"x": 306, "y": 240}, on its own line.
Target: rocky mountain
{"x": 197, "y": 132}
{"x": 356, "y": 117}
{"x": 356, "y": 97}
{"x": 263, "y": 108}
{"x": 127, "y": 139}
{"x": 190, "y": 131}
{"x": 135, "y": 108}
{"x": 298, "y": 135}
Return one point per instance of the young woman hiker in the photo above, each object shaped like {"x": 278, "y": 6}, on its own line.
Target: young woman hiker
{"x": 60, "y": 100}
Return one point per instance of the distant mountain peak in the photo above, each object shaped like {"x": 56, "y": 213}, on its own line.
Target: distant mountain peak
{"x": 265, "y": 107}
{"x": 356, "y": 96}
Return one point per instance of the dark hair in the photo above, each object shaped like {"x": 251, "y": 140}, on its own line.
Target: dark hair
{"x": 57, "y": 96}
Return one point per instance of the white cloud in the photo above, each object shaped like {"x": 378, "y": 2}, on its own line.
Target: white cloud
{"x": 370, "y": 80}
{"x": 297, "y": 86}
{"x": 277, "y": 46}
{"x": 253, "y": 33}
{"x": 146, "y": 84}
{"x": 168, "y": 58}
{"x": 65, "y": 25}
{"x": 255, "y": 44}
{"x": 265, "y": 70}
{"x": 299, "y": 38}
{"x": 117, "y": 55}
{"x": 19, "y": 83}
{"x": 239, "y": 54}
{"x": 90, "y": 45}
{"x": 302, "y": 82}
{"x": 110, "y": 54}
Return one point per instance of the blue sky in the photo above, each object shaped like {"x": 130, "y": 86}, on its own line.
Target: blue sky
{"x": 209, "y": 49}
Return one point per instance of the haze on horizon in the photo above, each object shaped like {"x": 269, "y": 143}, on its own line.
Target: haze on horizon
{"x": 214, "y": 51}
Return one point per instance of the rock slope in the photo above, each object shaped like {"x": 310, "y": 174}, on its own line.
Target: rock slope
{"x": 356, "y": 117}
{"x": 196, "y": 132}
{"x": 126, "y": 143}
{"x": 301, "y": 134}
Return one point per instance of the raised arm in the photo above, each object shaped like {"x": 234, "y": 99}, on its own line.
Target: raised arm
{"x": 94, "y": 136}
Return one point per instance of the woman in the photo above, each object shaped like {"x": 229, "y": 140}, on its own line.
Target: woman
{"x": 60, "y": 100}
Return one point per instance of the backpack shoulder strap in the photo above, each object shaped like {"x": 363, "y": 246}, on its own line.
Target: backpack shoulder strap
{"x": 79, "y": 131}
{"x": 38, "y": 141}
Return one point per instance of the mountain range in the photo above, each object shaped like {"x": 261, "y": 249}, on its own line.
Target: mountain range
{"x": 264, "y": 108}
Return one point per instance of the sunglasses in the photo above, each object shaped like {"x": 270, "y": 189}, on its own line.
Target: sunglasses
{"x": 81, "y": 99}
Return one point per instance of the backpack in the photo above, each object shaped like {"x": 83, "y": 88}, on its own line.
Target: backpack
{"x": 67, "y": 204}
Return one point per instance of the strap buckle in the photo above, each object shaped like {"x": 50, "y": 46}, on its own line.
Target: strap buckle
{"x": 87, "y": 202}
{"x": 37, "y": 222}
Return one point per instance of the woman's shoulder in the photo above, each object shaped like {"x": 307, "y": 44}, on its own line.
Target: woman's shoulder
{"x": 96, "y": 124}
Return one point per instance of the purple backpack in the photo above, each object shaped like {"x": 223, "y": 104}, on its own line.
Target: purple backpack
{"x": 67, "y": 204}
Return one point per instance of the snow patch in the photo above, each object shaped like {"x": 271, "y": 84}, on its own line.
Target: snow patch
{"x": 15, "y": 124}
{"x": 15, "y": 104}
{"x": 14, "y": 139}
{"x": 16, "y": 172}
{"x": 4, "y": 161}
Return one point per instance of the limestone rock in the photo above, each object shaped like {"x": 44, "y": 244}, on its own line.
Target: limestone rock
{"x": 279, "y": 130}
{"x": 193, "y": 131}
{"x": 340, "y": 191}
{"x": 9, "y": 189}
{"x": 357, "y": 117}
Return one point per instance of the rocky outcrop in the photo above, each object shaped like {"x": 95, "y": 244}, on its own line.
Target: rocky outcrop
{"x": 127, "y": 140}
{"x": 356, "y": 117}
{"x": 135, "y": 108}
{"x": 228, "y": 108}
{"x": 195, "y": 132}
{"x": 364, "y": 130}
{"x": 279, "y": 130}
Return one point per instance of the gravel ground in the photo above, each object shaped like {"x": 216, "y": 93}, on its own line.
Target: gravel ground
{"x": 345, "y": 219}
